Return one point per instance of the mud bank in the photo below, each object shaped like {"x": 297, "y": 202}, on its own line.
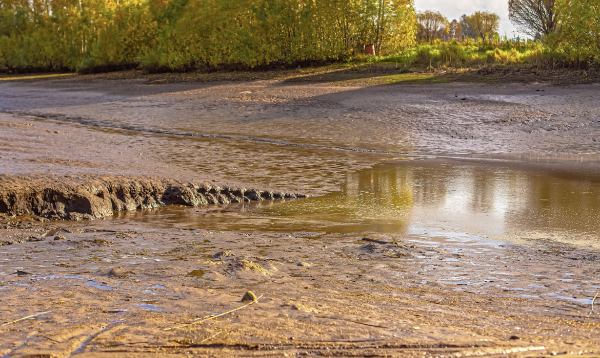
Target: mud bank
{"x": 96, "y": 197}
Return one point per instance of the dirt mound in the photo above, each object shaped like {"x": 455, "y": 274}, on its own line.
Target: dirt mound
{"x": 95, "y": 197}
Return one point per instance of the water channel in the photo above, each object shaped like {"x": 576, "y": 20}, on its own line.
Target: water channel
{"x": 460, "y": 199}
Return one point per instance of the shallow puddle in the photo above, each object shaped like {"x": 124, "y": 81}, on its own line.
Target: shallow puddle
{"x": 196, "y": 273}
{"x": 148, "y": 307}
{"x": 458, "y": 199}
{"x": 98, "y": 285}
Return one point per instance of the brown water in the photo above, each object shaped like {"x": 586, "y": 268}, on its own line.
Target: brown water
{"x": 465, "y": 200}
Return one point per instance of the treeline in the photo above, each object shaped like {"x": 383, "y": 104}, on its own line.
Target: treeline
{"x": 567, "y": 30}
{"x": 179, "y": 35}
{"x": 433, "y": 25}
{"x": 182, "y": 35}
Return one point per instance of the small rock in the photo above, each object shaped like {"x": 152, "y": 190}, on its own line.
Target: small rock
{"x": 249, "y": 297}
{"x": 514, "y": 338}
{"x": 246, "y": 265}
{"x": 222, "y": 254}
{"x": 59, "y": 237}
{"x": 119, "y": 272}
{"x": 298, "y": 306}
{"x": 304, "y": 264}
{"x": 21, "y": 273}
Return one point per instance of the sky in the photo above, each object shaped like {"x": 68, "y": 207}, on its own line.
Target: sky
{"x": 454, "y": 9}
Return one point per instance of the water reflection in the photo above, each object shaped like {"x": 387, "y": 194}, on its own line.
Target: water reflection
{"x": 500, "y": 200}
{"x": 371, "y": 200}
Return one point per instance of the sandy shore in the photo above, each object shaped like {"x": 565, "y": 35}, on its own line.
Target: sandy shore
{"x": 102, "y": 290}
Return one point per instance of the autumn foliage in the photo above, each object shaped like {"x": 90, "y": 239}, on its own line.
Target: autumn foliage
{"x": 578, "y": 34}
{"x": 89, "y": 35}
{"x": 181, "y": 35}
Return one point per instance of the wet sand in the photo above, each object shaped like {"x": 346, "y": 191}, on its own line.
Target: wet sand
{"x": 112, "y": 286}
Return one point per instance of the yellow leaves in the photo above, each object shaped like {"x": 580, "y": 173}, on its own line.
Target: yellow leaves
{"x": 578, "y": 34}
{"x": 177, "y": 33}
{"x": 484, "y": 23}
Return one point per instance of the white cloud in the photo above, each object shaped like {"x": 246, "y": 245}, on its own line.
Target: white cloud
{"x": 454, "y": 9}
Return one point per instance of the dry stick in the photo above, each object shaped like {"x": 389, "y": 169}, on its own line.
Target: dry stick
{"x": 593, "y": 299}
{"x": 20, "y": 319}
{"x": 52, "y": 339}
{"x": 213, "y": 317}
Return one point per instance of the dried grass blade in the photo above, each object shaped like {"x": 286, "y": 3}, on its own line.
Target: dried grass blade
{"x": 20, "y": 319}
{"x": 593, "y": 300}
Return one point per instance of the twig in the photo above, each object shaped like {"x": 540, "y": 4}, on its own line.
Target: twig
{"x": 213, "y": 317}
{"x": 52, "y": 339}
{"x": 593, "y": 299}
{"x": 20, "y": 319}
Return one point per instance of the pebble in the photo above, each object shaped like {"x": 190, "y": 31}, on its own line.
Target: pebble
{"x": 249, "y": 297}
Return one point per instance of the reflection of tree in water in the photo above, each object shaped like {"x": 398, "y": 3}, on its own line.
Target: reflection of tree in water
{"x": 384, "y": 192}
{"x": 552, "y": 203}
{"x": 483, "y": 189}
{"x": 430, "y": 185}
{"x": 518, "y": 200}
{"x": 379, "y": 199}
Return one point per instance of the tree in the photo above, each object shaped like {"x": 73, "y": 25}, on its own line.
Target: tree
{"x": 533, "y": 17}
{"x": 466, "y": 27}
{"x": 455, "y": 30}
{"x": 485, "y": 24}
{"x": 396, "y": 26}
{"x": 578, "y": 34}
{"x": 432, "y": 25}
{"x": 389, "y": 25}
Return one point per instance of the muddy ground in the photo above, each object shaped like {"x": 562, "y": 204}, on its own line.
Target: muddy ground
{"x": 111, "y": 291}
{"x": 332, "y": 295}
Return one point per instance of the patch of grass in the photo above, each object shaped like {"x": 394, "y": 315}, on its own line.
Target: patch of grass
{"x": 34, "y": 77}
{"x": 416, "y": 78}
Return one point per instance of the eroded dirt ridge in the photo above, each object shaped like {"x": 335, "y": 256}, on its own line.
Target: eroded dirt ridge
{"x": 95, "y": 197}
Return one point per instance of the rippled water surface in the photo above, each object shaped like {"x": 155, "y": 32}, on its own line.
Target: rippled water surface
{"x": 460, "y": 199}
